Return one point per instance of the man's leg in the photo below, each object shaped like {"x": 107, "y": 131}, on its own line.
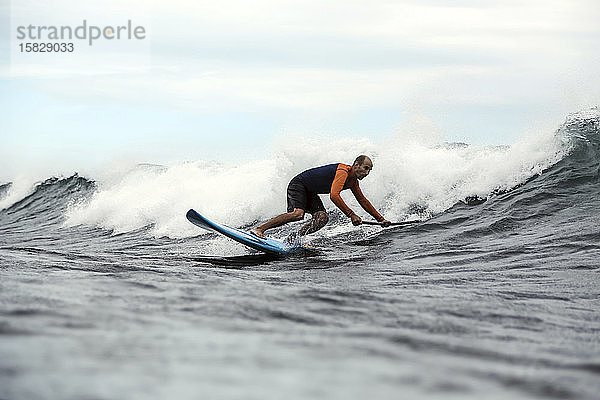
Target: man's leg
{"x": 296, "y": 215}
{"x": 318, "y": 220}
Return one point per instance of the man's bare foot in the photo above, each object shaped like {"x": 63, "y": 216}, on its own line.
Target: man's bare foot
{"x": 259, "y": 233}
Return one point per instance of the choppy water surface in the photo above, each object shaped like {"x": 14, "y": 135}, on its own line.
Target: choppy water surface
{"x": 104, "y": 299}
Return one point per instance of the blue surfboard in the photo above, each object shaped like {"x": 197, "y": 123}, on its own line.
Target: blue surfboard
{"x": 268, "y": 245}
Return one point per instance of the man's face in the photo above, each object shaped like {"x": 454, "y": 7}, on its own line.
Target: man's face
{"x": 362, "y": 170}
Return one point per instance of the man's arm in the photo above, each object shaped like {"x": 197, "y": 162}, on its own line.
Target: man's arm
{"x": 336, "y": 187}
{"x": 366, "y": 204}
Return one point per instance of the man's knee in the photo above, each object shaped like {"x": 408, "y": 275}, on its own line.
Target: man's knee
{"x": 297, "y": 214}
{"x": 321, "y": 218}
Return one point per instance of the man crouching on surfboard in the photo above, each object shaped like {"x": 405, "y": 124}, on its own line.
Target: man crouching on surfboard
{"x": 303, "y": 196}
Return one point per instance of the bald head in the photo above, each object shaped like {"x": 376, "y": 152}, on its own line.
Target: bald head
{"x": 361, "y": 159}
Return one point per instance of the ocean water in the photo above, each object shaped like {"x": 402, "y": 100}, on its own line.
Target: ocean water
{"x": 107, "y": 292}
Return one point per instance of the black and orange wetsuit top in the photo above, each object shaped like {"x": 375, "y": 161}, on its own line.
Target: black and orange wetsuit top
{"x": 332, "y": 179}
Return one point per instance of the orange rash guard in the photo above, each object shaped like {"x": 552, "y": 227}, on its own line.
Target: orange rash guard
{"x": 344, "y": 180}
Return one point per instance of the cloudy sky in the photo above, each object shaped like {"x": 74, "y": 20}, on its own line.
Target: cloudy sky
{"x": 222, "y": 80}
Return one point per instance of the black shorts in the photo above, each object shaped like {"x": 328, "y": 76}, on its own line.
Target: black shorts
{"x": 299, "y": 197}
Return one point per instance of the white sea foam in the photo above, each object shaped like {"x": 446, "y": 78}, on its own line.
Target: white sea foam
{"x": 21, "y": 187}
{"x": 409, "y": 174}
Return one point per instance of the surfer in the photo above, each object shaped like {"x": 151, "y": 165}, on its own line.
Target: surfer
{"x": 303, "y": 196}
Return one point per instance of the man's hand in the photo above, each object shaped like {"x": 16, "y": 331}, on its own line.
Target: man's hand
{"x": 385, "y": 223}
{"x": 355, "y": 220}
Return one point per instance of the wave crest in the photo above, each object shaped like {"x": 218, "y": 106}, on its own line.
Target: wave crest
{"x": 409, "y": 177}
